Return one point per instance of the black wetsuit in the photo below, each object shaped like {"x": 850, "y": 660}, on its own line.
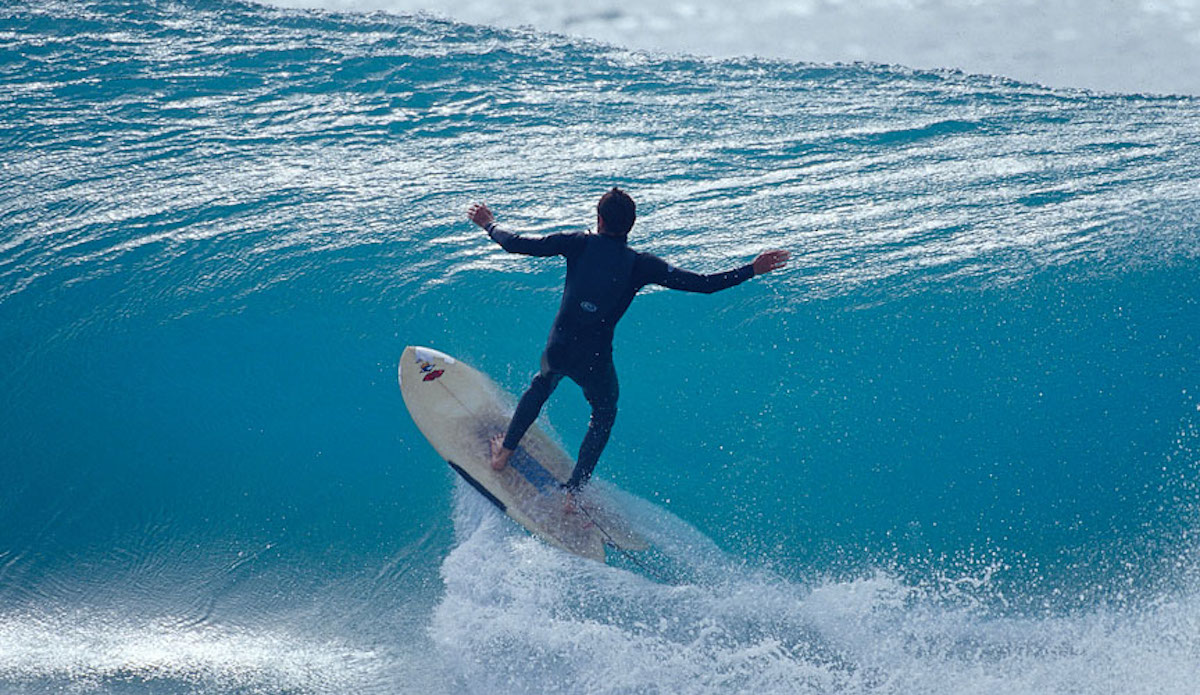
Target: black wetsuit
{"x": 603, "y": 275}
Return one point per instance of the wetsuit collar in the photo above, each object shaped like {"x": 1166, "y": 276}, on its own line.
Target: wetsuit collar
{"x": 623, "y": 239}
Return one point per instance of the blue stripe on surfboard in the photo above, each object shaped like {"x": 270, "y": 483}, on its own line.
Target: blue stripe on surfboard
{"x": 532, "y": 471}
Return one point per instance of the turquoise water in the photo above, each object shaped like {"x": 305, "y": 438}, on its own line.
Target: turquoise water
{"x": 952, "y": 449}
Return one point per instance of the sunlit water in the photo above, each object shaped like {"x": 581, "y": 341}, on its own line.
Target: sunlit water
{"x": 1128, "y": 46}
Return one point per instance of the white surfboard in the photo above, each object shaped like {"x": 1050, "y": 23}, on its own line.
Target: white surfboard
{"x": 459, "y": 410}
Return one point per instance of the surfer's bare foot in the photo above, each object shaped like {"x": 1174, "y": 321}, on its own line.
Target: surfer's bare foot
{"x": 570, "y": 504}
{"x": 577, "y": 500}
{"x": 500, "y": 455}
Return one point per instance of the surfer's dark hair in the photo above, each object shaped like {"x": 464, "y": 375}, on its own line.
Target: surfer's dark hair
{"x": 618, "y": 212}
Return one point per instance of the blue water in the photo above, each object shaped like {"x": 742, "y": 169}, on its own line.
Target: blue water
{"x": 953, "y": 448}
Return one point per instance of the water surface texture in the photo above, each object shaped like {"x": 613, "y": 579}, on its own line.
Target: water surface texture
{"x": 952, "y": 449}
{"x": 1128, "y": 46}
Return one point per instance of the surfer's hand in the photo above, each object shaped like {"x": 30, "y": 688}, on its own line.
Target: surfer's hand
{"x": 480, "y": 215}
{"x": 771, "y": 260}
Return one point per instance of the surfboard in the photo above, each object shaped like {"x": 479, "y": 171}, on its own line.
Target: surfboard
{"x": 459, "y": 410}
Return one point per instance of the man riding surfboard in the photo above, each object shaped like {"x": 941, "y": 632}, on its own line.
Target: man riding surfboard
{"x": 603, "y": 276}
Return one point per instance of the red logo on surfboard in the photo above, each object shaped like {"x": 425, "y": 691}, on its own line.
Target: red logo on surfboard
{"x": 431, "y": 374}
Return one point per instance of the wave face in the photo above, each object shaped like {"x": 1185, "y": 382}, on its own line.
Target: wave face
{"x": 1131, "y": 46}
{"x": 953, "y": 448}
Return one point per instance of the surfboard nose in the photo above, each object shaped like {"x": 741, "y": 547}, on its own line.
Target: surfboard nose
{"x": 427, "y": 354}
{"x": 417, "y": 363}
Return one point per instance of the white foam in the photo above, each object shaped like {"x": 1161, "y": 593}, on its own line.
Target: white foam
{"x": 88, "y": 651}
{"x": 1127, "y": 46}
{"x": 521, "y": 617}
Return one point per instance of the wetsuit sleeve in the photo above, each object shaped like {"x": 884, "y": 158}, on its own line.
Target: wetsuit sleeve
{"x": 656, "y": 271}
{"x": 549, "y": 245}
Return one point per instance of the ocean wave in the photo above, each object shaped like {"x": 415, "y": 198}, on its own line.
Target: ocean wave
{"x": 953, "y": 446}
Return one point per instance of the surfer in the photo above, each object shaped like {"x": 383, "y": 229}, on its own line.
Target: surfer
{"x": 603, "y": 275}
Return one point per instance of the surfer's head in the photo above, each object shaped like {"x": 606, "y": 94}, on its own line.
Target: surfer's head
{"x": 617, "y": 211}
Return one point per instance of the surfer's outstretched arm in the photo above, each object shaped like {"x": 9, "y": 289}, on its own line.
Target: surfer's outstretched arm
{"x": 549, "y": 245}
{"x": 674, "y": 278}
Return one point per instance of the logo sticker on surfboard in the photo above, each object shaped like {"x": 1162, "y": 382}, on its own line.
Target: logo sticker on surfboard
{"x": 430, "y": 370}
{"x": 427, "y": 361}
